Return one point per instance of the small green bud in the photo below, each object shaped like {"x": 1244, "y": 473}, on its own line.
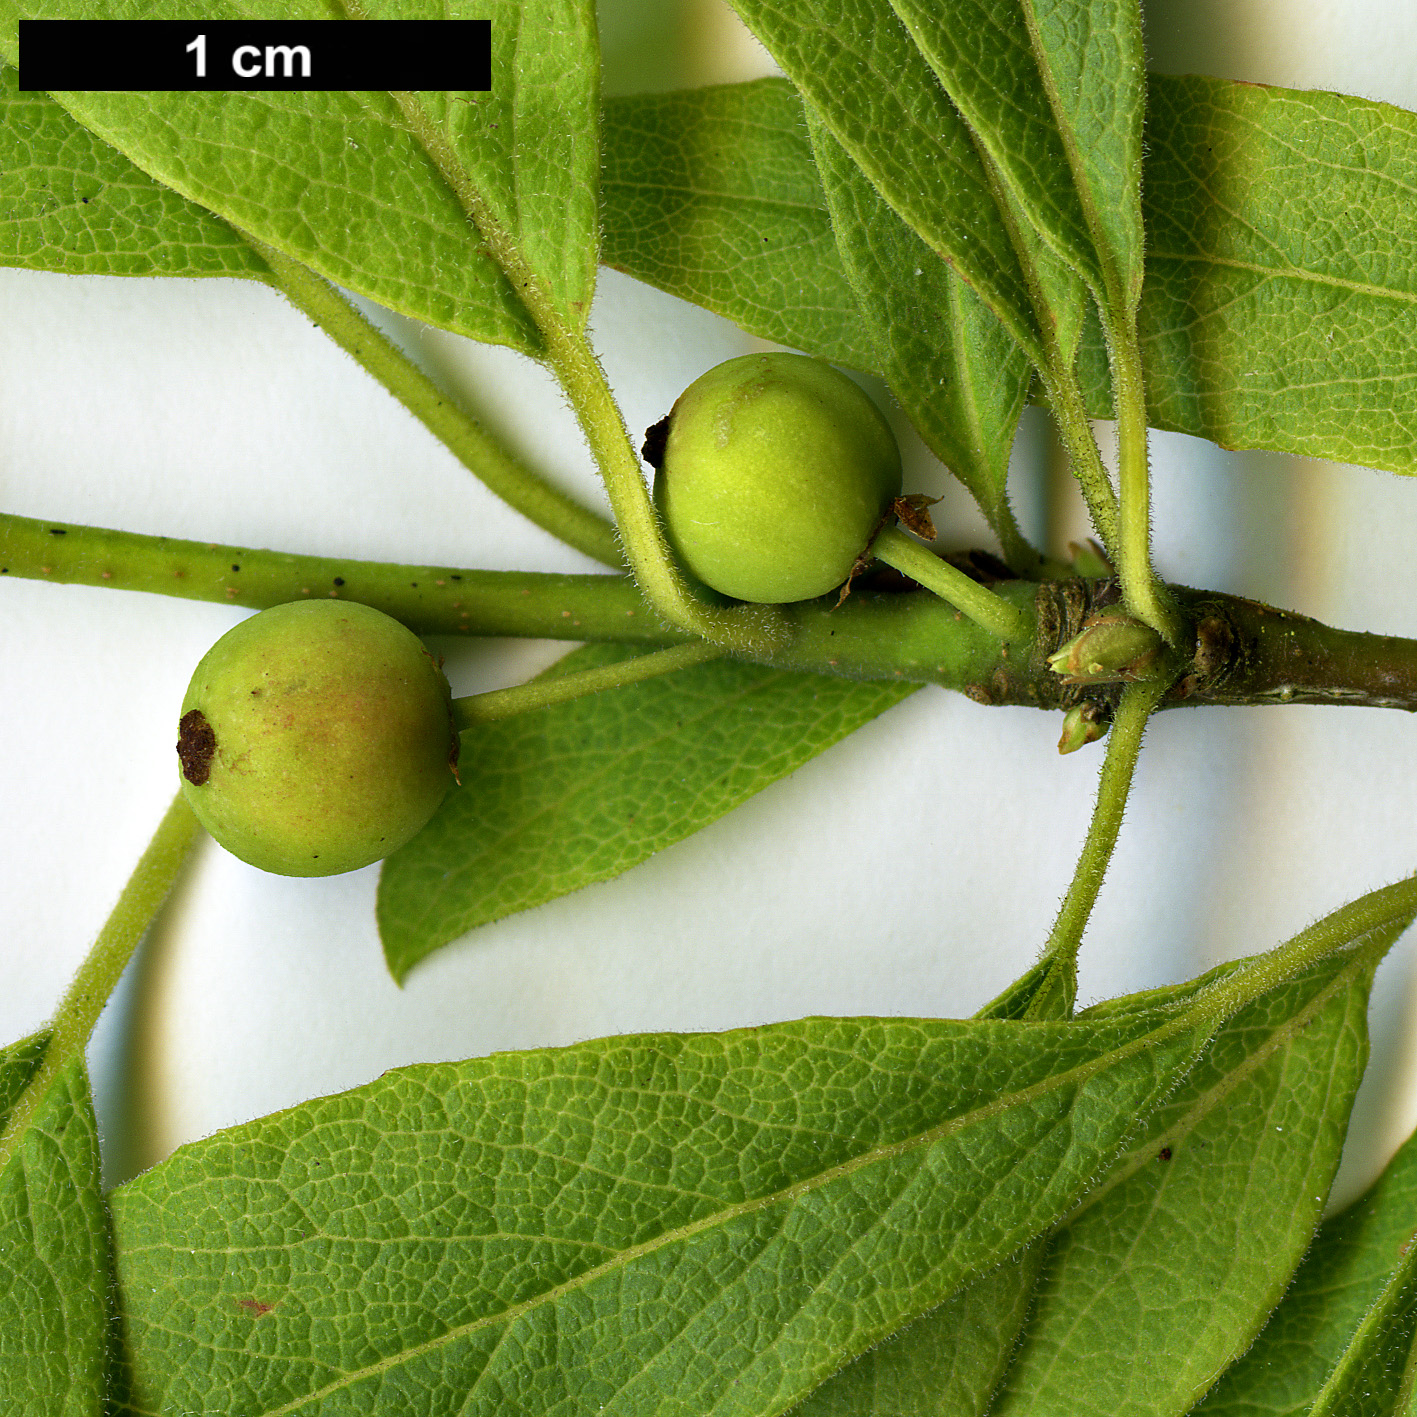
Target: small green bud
{"x": 1089, "y": 559}
{"x": 316, "y": 738}
{"x": 1110, "y": 649}
{"x": 776, "y": 473}
{"x": 1082, "y": 724}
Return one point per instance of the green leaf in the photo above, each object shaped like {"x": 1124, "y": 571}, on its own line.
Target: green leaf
{"x": 1094, "y": 70}
{"x": 54, "y": 1248}
{"x": 983, "y": 54}
{"x": 18, "y": 1064}
{"x": 530, "y": 146}
{"x": 554, "y": 800}
{"x": 670, "y": 1224}
{"x": 1338, "y": 1343}
{"x": 73, "y": 204}
{"x": 1169, "y": 1268}
{"x": 1054, "y": 94}
{"x": 857, "y": 66}
{"x": 338, "y": 182}
{"x": 948, "y": 1363}
{"x": 666, "y": 1223}
{"x": 1054, "y": 90}
{"x": 945, "y": 1365}
{"x": 1281, "y": 272}
{"x": 956, "y": 371}
{"x": 713, "y": 191}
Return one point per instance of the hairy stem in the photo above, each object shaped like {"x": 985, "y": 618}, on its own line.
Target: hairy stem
{"x": 1144, "y": 596}
{"x": 148, "y": 887}
{"x": 1113, "y": 787}
{"x": 1075, "y": 433}
{"x": 989, "y": 611}
{"x": 741, "y": 629}
{"x": 474, "y": 709}
{"x": 473, "y": 446}
{"x": 1055, "y": 366}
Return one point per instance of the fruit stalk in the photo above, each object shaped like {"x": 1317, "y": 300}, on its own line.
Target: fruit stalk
{"x": 148, "y": 887}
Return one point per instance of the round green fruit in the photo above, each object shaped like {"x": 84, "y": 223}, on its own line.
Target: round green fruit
{"x": 316, "y": 737}
{"x": 776, "y": 474}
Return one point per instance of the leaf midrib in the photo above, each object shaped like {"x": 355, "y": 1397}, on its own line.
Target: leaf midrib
{"x": 1213, "y": 1096}
{"x": 1375, "y": 292}
{"x": 737, "y": 200}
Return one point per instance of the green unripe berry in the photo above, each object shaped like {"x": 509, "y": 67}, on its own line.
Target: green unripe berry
{"x": 776, "y": 473}
{"x": 316, "y": 737}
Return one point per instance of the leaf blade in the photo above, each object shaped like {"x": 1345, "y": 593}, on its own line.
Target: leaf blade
{"x": 77, "y": 206}
{"x": 982, "y": 53}
{"x": 1321, "y": 340}
{"x": 713, "y": 191}
{"x": 338, "y": 182}
{"x": 965, "y": 391}
{"x": 677, "y": 1222}
{"x": 858, "y": 67}
{"x": 1342, "y": 1334}
{"x": 557, "y": 800}
{"x": 531, "y": 145}
{"x": 948, "y": 1363}
{"x": 55, "y": 1270}
{"x": 1282, "y": 272}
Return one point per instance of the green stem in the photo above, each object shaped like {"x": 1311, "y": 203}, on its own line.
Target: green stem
{"x": 1113, "y": 786}
{"x": 746, "y": 628}
{"x": 432, "y": 600}
{"x": 1055, "y": 365}
{"x": 468, "y": 441}
{"x": 543, "y": 693}
{"x": 148, "y": 887}
{"x": 991, "y": 612}
{"x": 1246, "y": 653}
{"x": 1075, "y": 432}
{"x": 1142, "y": 592}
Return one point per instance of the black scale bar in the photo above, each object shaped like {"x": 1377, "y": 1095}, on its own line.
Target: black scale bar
{"x": 174, "y": 56}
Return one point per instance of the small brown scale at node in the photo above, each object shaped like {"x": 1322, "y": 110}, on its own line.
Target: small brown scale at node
{"x": 196, "y": 746}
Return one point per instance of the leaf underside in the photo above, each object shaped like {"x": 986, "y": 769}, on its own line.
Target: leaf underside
{"x": 1171, "y": 1266}
{"x": 1174, "y": 1260}
{"x": 713, "y": 191}
{"x": 74, "y": 204}
{"x": 956, "y": 372}
{"x": 858, "y": 68}
{"x": 54, "y": 1249}
{"x": 340, "y": 182}
{"x": 1280, "y": 278}
{"x": 558, "y": 799}
{"x": 673, "y": 1223}
{"x": 1342, "y": 1336}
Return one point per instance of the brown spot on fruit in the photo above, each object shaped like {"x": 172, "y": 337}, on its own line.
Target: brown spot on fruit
{"x": 196, "y": 746}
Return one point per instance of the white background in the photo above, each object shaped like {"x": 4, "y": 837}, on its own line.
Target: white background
{"x": 914, "y": 869}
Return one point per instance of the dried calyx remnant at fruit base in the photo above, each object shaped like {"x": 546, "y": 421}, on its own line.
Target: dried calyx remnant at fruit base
{"x": 196, "y": 747}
